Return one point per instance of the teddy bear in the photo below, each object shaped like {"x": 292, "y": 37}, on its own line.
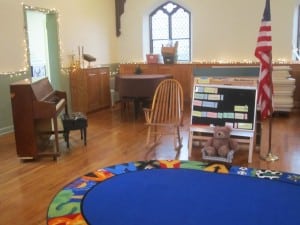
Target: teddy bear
{"x": 220, "y": 143}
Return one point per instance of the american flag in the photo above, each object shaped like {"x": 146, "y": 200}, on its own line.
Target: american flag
{"x": 263, "y": 52}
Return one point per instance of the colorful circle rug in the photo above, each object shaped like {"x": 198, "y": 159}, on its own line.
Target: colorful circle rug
{"x": 178, "y": 192}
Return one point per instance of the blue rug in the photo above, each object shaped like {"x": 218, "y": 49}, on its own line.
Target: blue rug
{"x": 190, "y": 197}
{"x": 179, "y": 192}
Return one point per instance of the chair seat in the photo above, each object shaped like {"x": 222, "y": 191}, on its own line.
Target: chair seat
{"x": 74, "y": 121}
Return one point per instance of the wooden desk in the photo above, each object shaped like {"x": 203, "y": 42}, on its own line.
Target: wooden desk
{"x": 138, "y": 87}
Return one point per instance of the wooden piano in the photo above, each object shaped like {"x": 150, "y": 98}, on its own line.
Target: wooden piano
{"x": 35, "y": 108}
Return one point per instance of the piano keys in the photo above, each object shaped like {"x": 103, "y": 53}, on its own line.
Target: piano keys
{"x": 35, "y": 108}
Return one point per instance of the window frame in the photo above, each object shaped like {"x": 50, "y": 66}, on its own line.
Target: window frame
{"x": 178, "y": 7}
{"x": 298, "y": 34}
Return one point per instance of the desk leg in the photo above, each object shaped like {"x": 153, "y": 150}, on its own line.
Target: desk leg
{"x": 84, "y": 135}
{"x": 190, "y": 143}
{"x": 251, "y": 146}
{"x": 136, "y": 103}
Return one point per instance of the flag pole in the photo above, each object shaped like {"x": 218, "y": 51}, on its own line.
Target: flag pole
{"x": 270, "y": 157}
{"x": 263, "y": 52}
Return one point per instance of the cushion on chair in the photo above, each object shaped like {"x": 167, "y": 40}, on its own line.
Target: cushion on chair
{"x": 74, "y": 121}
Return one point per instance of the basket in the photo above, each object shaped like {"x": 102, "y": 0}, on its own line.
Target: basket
{"x": 169, "y": 53}
{"x": 152, "y": 58}
{"x": 170, "y": 59}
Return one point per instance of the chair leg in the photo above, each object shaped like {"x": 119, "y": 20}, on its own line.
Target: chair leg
{"x": 179, "y": 140}
{"x": 175, "y": 138}
{"x": 67, "y": 138}
{"x": 155, "y": 135}
{"x": 148, "y": 136}
{"x": 178, "y": 135}
{"x": 125, "y": 107}
{"x": 122, "y": 107}
{"x": 84, "y": 135}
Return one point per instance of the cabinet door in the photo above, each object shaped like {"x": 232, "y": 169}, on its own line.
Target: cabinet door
{"x": 98, "y": 88}
{"x": 104, "y": 88}
{"x": 78, "y": 86}
{"x": 94, "y": 89}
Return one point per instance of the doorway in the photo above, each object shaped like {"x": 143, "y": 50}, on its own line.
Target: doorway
{"x": 42, "y": 43}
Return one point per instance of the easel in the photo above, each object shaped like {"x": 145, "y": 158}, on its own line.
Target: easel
{"x": 199, "y": 132}
{"x": 203, "y": 133}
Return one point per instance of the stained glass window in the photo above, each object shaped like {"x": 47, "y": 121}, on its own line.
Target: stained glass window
{"x": 170, "y": 23}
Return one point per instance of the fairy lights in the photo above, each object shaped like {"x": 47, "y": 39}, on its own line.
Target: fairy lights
{"x": 65, "y": 70}
{"x": 25, "y": 70}
{"x": 224, "y": 61}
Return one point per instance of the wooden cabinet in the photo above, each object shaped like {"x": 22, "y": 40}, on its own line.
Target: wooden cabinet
{"x": 184, "y": 73}
{"x": 90, "y": 89}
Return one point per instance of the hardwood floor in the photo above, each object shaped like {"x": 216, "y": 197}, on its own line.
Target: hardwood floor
{"x": 27, "y": 187}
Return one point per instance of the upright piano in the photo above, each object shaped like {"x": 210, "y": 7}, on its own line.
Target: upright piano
{"x": 35, "y": 108}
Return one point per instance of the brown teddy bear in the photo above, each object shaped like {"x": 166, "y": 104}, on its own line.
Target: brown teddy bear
{"x": 221, "y": 143}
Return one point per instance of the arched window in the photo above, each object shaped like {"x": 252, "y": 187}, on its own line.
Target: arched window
{"x": 170, "y": 23}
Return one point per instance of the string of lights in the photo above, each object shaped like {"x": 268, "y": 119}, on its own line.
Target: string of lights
{"x": 65, "y": 69}
{"x": 25, "y": 70}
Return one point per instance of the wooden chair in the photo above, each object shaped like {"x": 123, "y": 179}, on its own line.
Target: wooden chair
{"x": 166, "y": 112}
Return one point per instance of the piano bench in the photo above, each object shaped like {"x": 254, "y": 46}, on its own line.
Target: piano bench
{"x": 74, "y": 121}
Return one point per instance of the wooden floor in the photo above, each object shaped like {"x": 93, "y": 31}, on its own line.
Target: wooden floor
{"x": 27, "y": 187}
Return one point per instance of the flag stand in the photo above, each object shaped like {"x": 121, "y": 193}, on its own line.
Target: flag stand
{"x": 270, "y": 157}
{"x": 263, "y": 52}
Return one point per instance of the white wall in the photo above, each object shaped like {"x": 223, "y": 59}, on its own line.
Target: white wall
{"x": 88, "y": 23}
{"x": 221, "y": 29}
{"x": 12, "y": 36}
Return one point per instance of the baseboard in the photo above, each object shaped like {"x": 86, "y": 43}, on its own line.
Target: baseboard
{"x": 6, "y": 130}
